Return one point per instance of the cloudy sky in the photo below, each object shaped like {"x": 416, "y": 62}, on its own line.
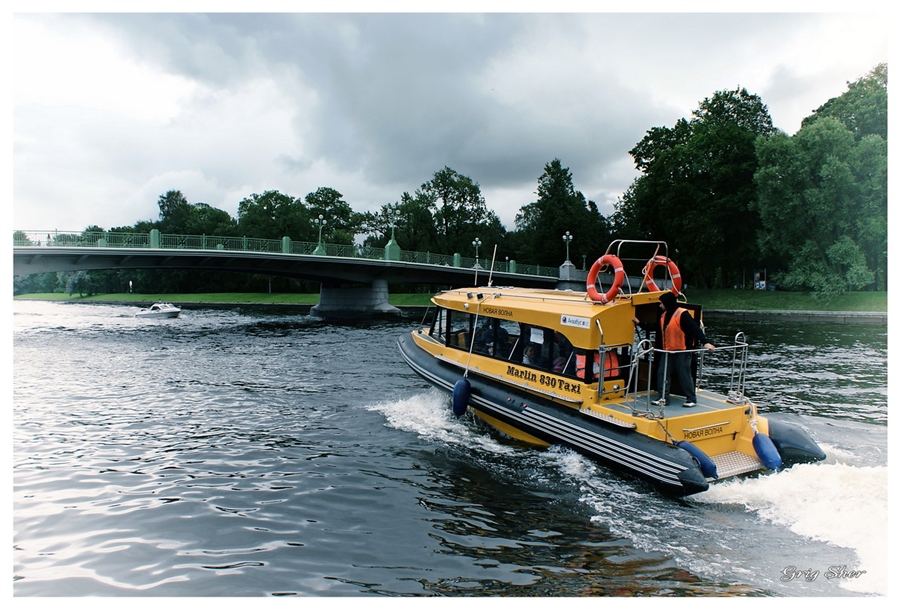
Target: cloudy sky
{"x": 110, "y": 110}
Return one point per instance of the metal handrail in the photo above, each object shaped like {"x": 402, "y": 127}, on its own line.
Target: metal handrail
{"x": 739, "y": 361}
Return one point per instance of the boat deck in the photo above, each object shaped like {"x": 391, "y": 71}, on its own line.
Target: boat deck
{"x": 731, "y": 463}
{"x": 707, "y": 402}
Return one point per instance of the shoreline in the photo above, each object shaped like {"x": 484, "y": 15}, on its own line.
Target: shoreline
{"x": 411, "y": 311}
{"x": 773, "y": 315}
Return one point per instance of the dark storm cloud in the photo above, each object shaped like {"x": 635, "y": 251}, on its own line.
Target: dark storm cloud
{"x": 400, "y": 96}
{"x": 126, "y": 105}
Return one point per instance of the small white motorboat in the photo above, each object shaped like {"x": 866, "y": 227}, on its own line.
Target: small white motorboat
{"x": 159, "y": 310}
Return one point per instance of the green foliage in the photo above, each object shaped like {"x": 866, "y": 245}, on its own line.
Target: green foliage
{"x": 559, "y": 209}
{"x": 863, "y": 108}
{"x": 444, "y": 216}
{"x": 274, "y": 215}
{"x": 696, "y": 189}
{"x": 76, "y": 281}
{"x": 21, "y": 239}
{"x": 822, "y": 199}
{"x": 410, "y": 221}
{"x": 459, "y": 212}
{"x": 342, "y": 222}
{"x": 178, "y": 216}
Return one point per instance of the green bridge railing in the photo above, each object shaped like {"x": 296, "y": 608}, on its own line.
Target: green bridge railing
{"x": 285, "y": 245}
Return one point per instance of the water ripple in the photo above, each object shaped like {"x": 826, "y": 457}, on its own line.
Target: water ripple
{"x": 299, "y": 458}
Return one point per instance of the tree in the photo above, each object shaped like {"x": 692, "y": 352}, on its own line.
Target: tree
{"x": 343, "y": 222}
{"x": 559, "y": 209}
{"x": 822, "y": 198}
{"x": 273, "y": 215}
{"x": 174, "y": 212}
{"x": 696, "y": 191}
{"x": 208, "y": 220}
{"x": 21, "y": 238}
{"x": 458, "y": 211}
{"x": 178, "y": 216}
{"x": 863, "y": 108}
{"x": 411, "y": 222}
{"x": 76, "y": 281}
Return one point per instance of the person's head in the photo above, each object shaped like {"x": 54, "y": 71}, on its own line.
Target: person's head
{"x": 668, "y": 301}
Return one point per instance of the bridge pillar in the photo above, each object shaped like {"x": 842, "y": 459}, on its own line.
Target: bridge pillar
{"x": 356, "y": 302}
{"x": 571, "y": 278}
{"x": 392, "y": 250}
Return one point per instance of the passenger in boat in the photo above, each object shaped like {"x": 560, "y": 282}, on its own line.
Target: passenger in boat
{"x": 559, "y": 363}
{"x": 678, "y": 332}
{"x": 484, "y": 338}
{"x": 531, "y": 355}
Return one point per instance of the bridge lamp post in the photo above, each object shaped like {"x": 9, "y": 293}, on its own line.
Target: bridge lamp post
{"x": 567, "y": 238}
{"x": 320, "y": 222}
{"x": 394, "y": 217}
{"x": 476, "y": 244}
{"x": 392, "y": 248}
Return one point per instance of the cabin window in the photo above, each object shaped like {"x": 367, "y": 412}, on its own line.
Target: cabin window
{"x": 547, "y": 349}
{"x": 537, "y": 347}
{"x": 452, "y": 328}
{"x": 440, "y": 325}
{"x": 534, "y": 346}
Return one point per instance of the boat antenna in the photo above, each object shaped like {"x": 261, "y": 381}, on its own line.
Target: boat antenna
{"x": 491, "y": 274}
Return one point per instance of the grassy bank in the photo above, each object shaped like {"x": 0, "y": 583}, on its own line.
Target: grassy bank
{"x": 741, "y": 300}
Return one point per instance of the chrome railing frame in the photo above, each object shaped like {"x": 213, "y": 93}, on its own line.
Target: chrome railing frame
{"x": 739, "y": 359}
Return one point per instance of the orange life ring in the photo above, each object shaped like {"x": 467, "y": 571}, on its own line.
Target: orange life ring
{"x": 619, "y": 279}
{"x": 673, "y": 271}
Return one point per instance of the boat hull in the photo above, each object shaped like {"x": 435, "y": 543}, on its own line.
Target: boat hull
{"x": 159, "y": 310}
{"x": 671, "y": 469}
{"x": 157, "y": 314}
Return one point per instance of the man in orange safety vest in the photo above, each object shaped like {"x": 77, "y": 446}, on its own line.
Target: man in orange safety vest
{"x": 679, "y": 332}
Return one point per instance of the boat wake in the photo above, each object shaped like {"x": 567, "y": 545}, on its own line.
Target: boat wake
{"x": 828, "y": 520}
{"x": 814, "y": 529}
{"x": 429, "y": 416}
{"x": 836, "y": 503}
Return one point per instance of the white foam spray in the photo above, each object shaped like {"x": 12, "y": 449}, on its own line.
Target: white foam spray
{"x": 835, "y": 503}
{"x": 429, "y": 415}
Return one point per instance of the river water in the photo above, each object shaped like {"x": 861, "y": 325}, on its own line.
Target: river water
{"x": 259, "y": 452}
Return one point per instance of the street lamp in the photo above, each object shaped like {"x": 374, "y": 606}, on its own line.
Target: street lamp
{"x": 392, "y": 248}
{"x": 393, "y": 217}
{"x": 320, "y": 222}
{"x": 476, "y": 244}
{"x": 567, "y": 238}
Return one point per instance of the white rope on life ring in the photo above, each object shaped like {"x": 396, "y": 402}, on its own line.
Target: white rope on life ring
{"x": 673, "y": 271}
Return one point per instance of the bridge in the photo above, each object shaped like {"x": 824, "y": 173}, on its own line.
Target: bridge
{"x": 368, "y": 271}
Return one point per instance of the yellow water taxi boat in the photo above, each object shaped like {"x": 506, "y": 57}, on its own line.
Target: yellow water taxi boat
{"x": 529, "y": 361}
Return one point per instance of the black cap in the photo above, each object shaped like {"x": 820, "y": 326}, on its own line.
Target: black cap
{"x": 668, "y": 300}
